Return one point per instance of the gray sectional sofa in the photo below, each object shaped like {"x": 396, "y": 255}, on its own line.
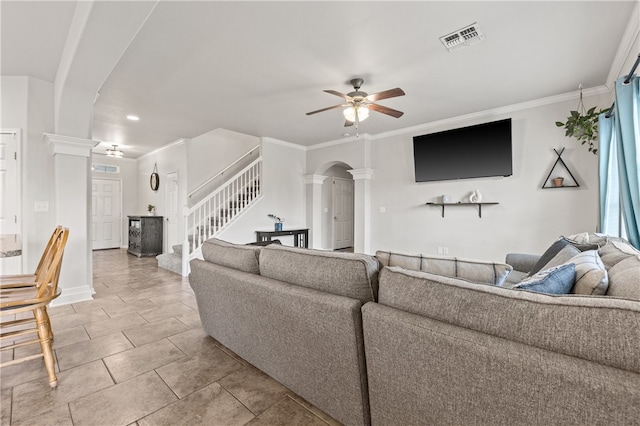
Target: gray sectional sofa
{"x": 402, "y": 340}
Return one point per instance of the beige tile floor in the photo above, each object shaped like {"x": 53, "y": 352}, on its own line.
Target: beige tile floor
{"x": 137, "y": 354}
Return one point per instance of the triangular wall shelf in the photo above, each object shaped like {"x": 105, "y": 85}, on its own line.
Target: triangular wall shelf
{"x": 548, "y": 182}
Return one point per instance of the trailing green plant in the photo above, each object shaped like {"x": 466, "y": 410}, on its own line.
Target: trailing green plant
{"x": 276, "y": 218}
{"x": 583, "y": 125}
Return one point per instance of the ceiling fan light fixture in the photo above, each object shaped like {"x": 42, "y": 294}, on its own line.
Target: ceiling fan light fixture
{"x": 350, "y": 113}
{"x": 114, "y": 152}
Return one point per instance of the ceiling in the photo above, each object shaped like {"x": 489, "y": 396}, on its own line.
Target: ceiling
{"x": 258, "y": 67}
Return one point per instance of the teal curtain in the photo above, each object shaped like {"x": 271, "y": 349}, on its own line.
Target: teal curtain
{"x": 620, "y": 147}
{"x": 608, "y": 173}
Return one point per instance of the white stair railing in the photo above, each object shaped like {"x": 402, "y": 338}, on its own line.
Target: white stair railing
{"x": 219, "y": 209}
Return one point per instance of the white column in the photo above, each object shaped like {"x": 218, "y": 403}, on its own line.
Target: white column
{"x": 362, "y": 210}
{"x": 72, "y": 183}
{"x": 314, "y": 209}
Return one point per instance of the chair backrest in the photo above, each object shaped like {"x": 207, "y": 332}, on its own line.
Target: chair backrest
{"x": 47, "y": 281}
{"x": 47, "y": 254}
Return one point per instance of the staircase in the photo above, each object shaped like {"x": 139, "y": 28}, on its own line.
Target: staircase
{"x": 171, "y": 261}
{"x": 213, "y": 214}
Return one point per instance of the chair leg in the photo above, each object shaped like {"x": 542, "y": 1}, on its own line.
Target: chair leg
{"x": 42, "y": 322}
{"x": 46, "y": 312}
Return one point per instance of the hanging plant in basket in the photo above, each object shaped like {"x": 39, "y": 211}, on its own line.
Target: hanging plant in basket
{"x": 583, "y": 125}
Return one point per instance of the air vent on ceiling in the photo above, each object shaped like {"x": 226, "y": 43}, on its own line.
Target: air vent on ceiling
{"x": 462, "y": 38}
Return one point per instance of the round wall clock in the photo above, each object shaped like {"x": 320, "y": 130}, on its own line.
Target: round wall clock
{"x": 154, "y": 181}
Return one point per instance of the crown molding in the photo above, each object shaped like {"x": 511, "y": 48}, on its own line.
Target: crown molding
{"x": 335, "y": 142}
{"x": 283, "y": 143}
{"x": 162, "y": 148}
{"x": 564, "y": 97}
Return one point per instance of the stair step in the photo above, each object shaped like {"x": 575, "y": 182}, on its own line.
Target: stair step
{"x": 170, "y": 261}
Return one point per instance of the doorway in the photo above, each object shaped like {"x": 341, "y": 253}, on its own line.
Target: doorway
{"x": 106, "y": 213}
{"x": 10, "y": 200}
{"x": 342, "y": 209}
{"x": 172, "y": 210}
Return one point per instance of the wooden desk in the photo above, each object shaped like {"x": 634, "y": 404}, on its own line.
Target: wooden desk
{"x": 300, "y": 236}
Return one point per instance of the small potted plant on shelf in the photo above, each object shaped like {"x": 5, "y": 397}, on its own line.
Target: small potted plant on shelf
{"x": 278, "y": 221}
{"x": 151, "y": 210}
{"x": 583, "y": 125}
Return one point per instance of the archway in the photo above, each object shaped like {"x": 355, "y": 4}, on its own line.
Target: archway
{"x": 330, "y": 206}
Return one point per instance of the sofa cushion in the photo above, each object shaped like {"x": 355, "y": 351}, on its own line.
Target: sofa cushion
{"x": 616, "y": 251}
{"x": 591, "y": 276}
{"x": 624, "y": 278}
{"x": 555, "y": 280}
{"x": 588, "y": 238}
{"x": 599, "y": 329}
{"x": 345, "y": 274}
{"x": 556, "y": 247}
{"x": 563, "y": 256}
{"x": 236, "y": 256}
{"x": 471, "y": 270}
{"x": 549, "y": 254}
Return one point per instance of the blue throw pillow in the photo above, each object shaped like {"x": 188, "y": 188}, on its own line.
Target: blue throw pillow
{"x": 557, "y": 280}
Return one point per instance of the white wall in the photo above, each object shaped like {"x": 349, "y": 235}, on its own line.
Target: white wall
{"x": 527, "y": 219}
{"x": 211, "y": 152}
{"x": 283, "y": 188}
{"x": 171, "y": 158}
{"x": 128, "y": 175}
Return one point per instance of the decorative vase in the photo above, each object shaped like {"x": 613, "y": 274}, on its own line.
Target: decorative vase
{"x": 475, "y": 197}
{"x": 151, "y": 213}
{"x": 557, "y": 182}
{"x": 278, "y": 226}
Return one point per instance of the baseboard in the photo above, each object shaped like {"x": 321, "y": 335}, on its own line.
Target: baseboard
{"x": 73, "y": 295}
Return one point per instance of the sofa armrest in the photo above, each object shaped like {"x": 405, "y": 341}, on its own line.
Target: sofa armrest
{"x": 522, "y": 262}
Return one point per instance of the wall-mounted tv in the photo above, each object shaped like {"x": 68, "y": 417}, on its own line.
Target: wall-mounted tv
{"x": 476, "y": 151}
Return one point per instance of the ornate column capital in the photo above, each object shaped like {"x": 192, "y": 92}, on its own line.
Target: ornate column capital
{"x": 69, "y": 145}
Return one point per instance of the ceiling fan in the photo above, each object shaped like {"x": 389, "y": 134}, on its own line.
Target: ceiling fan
{"x": 357, "y": 103}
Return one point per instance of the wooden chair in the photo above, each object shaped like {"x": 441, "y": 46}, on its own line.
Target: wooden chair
{"x": 34, "y": 298}
{"x": 7, "y": 281}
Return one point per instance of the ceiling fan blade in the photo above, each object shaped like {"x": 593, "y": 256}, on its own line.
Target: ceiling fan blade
{"x": 342, "y": 95}
{"x": 325, "y": 109}
{"x": 386, "y": 110}
{"x": 348, "y": 123}
{"x": 391, "y": 93}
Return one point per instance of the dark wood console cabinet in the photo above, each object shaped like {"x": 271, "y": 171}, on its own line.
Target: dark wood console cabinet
{"x": 145, "y": 235}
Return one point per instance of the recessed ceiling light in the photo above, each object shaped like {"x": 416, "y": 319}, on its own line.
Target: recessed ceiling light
{"x": 133, "y": 117}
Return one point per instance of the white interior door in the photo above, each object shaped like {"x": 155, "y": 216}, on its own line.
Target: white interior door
{"x": 342, "y": 213}
{"x": 172, "y": 210}
{"x": 9, "y": 206}
{"x": 106, "y": 214}
{"x": 10, "y": 196}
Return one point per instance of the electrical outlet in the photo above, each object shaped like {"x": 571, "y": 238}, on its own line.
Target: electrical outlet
{"x": 383, "y": 209}
{"x": 440, "y": 250}
{"x": 445, "y": 250}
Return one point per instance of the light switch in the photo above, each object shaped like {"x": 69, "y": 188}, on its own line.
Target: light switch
{"x": 383, "y": 209}
{"x": 41, "y": 206}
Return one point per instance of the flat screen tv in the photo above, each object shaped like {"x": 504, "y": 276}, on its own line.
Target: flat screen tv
{"x": 482, "y": 150}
